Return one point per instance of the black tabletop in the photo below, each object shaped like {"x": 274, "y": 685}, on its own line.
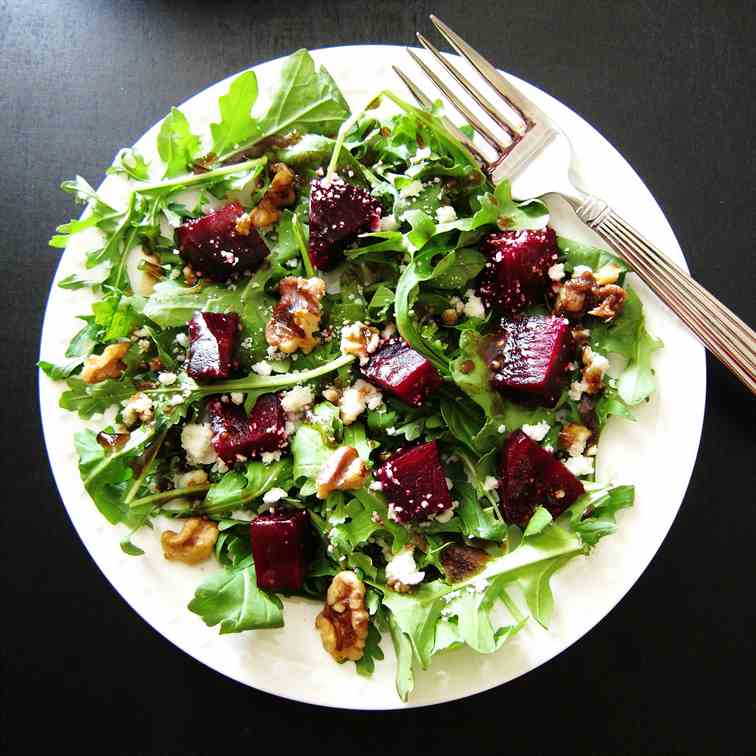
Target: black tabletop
{"x": 671, "y": 669}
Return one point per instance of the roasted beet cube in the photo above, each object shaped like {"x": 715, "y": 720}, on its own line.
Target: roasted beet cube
{"x": 529, "y": 356}
{"x": 531, "y": 476}
{"x": 279, "y": 547}
{"x": 516, "y": 271}
{"x": 338, "y": 213}
{"x": 212, "y": 337}
{"x": 414, "y": 484}
{"x": 237, "y": 436}
{"x": 215, "y": 247}
{"x": 400, "y": 370}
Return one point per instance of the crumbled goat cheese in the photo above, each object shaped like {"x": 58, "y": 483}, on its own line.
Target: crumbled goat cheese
{"x": 144, "y": 345}
{"x": 237, "y": 397}
{"x": 579, "y": 466}
{"x": 262, "y": 368}
{"x": 182, "y": 340}
{"x": 360, "y": 396}
{"x": 502, "y": 429}
{"x": 191, "y": 478}
{"x": 138, "y": 407}
{"x": 556, "y": 272}
{"x": 576, "y": 390}
{"x": 376, "y": 485}
{"x": 412, "y": 189}
{"x": 167, "y": 379}
{"x": 490, "y": 483}
{"x": 141, "y": 333}
{"x": 274, "y": 495}
{"x": 457, "y": 304}
{"x": 389, "y": 223}
{"x": 297, "y": 399}
{"x": 579, "y": 270}
{"x": 268, "y": 458}
{"x": 473, "y": 305}
{"x": 537, "y": 431}
{"x": 196, "y": 439}
{"x": 423, "y": 153}
{"x": 446, "y": 214}
{"x": 402, "y": 567}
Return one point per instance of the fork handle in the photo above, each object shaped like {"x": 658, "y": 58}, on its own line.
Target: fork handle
{"x": 724, "y": 334}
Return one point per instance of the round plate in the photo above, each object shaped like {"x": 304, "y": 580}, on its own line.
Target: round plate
{"x": 656, "y": 453}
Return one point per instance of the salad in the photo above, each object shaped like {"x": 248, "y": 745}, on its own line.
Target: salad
{"x": 327, "y": 353}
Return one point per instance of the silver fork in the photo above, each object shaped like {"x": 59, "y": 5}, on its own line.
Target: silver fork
{"x": 536, "y": 157}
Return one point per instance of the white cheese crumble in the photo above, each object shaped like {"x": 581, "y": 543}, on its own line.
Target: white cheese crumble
{"x": 490, "y": 483}
{"x": 502, "y": 429}
{"x": 556, "y": 272}
{"x": 576, "y": 390}
{"x": 262, "y": 368}
{"x": 268, "y": 458}
{"x": 579, "y": 466}
{"x": 167, "y": 379}
{"x": 473, "y": 306}
{"x": 579, "y": 270}
{"x": 389, "y": 330}
{"x": 360, "y": 396}
{"x": 243, "y": 514}
{"x": 182, "y": 340}
{"x": 446, "y": 214}
{"x": 389, "y": 223}
{"x": 191, "y": 478}
{"x": 237, "y": 397}
{"x": 402, "y": 567}
{"x": 537, "y": 431}
{"x": 360, "y": 340}
{"x": 196, "y": 439}
{"x": 297, "y": 399}
{"x": 274, "y": 495}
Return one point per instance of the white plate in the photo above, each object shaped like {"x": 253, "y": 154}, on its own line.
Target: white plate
{"x": 657, "y": 454}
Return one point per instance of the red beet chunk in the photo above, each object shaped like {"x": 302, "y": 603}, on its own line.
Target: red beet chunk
{"x": 212, "y": 336}
{"x": 213, "y": 246}
{"x": 338, "y": 213}
{"x": 235, "y": 435}
{"x": 531, "y": 476}
{"x": 528, "y": 358}
{"x": 403, "y": 372}
{"x": 414, "y": 484}
{"x": 279, "y": 547}
{"x": 516, "y": 273}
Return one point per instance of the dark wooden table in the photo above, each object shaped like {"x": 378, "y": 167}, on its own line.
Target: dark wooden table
{"x": 672, "y": 667}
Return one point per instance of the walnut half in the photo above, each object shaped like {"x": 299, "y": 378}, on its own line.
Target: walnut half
{"x": 193, "y": 544}
{"x": 343, "y": 623}
{"x": 296, "y": 316}
{"x": 342, "y": 471}
{"x": 98, "y": 367}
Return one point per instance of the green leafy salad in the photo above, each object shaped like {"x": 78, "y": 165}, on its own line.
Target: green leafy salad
{"x": 328, "y": 353}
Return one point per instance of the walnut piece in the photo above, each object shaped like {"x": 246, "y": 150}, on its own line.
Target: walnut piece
{"x": 610, "y": 300}
{"x": 343, "y": 623}
{"x": 462, "y": 562}
{"x": 344, "y": 470}
{"x": 573, "y": 437}
{"x": 360, "y": 340}
{"x": 296, "y": 316}
{"x": 279, "y": 194}
{"x": 193, "y": 544}
{"x": 595, "y": 367}
{"x": 99, "y": 367}
{"x": 574, "y": 296}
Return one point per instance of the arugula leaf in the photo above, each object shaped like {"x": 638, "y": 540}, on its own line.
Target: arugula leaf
{"x": 310, "y": 450}
{"x": 467, "y": 264}
{"x": 536, "y": 588}
{"x": 627, "y": 336}
{"x": 59, "y": 372}
{"x": 305, "y": 99}
{"x": 236, "y": 125}
{"x": 232, "y": 599}
{"x": 176, "y": 144}
{"x": 366, "y": 665}
{"x": 90, "y": 398}
{"x": 576, "y": 254}
{"x": 592, "y": 516}
{"x": 236, "y": 489}
{"x": 405, "y": 676}
{"x": 130, "y": 163}
{"x": 172, "y": 304}
{"x": 477, "y": 521}
{"x": 540, "y": 518}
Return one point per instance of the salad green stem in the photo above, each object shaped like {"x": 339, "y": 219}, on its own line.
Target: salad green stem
{"x": 150, "y": 458}
{"x": 189, "y": 180}
{"x": 174, "y": 493}
{"x": 296, "y": 227}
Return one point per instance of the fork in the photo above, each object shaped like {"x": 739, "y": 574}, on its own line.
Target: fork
{"x": 536, "y": 157}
